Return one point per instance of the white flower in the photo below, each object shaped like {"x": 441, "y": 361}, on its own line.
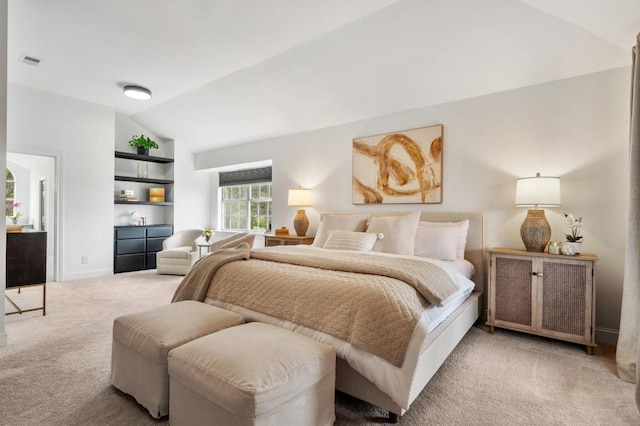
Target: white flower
{"x": 574, "y": 226}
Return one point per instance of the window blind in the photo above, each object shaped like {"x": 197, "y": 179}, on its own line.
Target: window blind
{"x": 245, "y": 177}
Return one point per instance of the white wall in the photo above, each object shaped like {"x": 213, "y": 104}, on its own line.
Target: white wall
{"x": 192, "y": 192}
{"x": 3, "y": 157}
{"x": 576, "y": 129}
{"x": 82, "y": 134}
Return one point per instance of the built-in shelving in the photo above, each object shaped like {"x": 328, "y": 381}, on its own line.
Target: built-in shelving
{"x": 139, "y": 157}
{"x": 143, "y": 180}
{"x": 145, "y": 203}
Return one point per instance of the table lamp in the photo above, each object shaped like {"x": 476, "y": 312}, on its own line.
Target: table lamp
{"x": 538, "y": 191}
{"x": 300, "y": 197}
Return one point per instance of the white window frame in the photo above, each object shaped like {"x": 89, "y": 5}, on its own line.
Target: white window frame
{"x": 248, "y": 200}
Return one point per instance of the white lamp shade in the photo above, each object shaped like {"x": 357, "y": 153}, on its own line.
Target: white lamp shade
{"x": 538, "y": 191}
{"x": 300, "y": 197}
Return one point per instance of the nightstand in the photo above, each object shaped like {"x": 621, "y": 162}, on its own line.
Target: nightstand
{"x": 544, "y": 294}
{"x": 286, "y": 240}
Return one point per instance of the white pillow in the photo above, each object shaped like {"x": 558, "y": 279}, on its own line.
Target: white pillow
{"x": 459, "y": 229}
{"x": 346, "y": 240}
{"x": 339, "y": 222}
{"x": 399, "y": 232}
{"x": 436, "y": 242}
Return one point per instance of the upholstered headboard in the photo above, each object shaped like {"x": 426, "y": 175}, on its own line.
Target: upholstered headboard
{"x": 474, "y": 251}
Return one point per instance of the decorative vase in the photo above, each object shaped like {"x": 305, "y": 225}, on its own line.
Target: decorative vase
{"x": 577, "y": 246}
{"x": 535, "y": 231}
{"x": 14, "y": 220}
{"x": 143, "y": 170}
{"x": 143, "y": 151}
{"x": 569, "y": 248}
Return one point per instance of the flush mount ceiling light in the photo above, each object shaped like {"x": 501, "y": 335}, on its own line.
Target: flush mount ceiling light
{"x": 137, "y": 92}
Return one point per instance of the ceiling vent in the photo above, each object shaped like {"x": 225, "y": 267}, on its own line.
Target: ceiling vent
{"x": 30, "y": 60}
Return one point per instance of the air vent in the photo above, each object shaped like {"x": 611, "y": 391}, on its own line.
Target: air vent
{"x": 30, "y": 60}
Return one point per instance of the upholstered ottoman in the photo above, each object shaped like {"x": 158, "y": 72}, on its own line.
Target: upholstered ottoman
{"x": 141, "y": 342}
{"x": 253, "y": 374}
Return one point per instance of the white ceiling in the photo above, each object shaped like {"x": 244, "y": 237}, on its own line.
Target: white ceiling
{"x": 231, "y": 71}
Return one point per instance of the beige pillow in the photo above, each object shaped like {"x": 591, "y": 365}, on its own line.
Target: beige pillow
{"x": 399, "y": 233}
{"x": 346, "y": 240}
{"x": 436, "y": 242}
{"x": 339, "y": 222}
{"x": 458, "y": 230}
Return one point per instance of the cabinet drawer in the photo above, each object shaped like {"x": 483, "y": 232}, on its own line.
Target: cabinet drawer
{"x": 151, "y": 261}
{"x": 159, "y": 231}
{"x": 129, "y": 233}
{"x": 154, "y": 244}
{"x": 129, "y": 246}
{"x": 129, "y": 262}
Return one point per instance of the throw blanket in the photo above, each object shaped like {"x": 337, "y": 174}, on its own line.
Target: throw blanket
{"x": 360, "y": 298}
{"x": 195, "y": 284}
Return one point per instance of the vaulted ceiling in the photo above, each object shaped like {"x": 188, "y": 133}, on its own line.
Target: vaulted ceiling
{"x": 224, "y": 72}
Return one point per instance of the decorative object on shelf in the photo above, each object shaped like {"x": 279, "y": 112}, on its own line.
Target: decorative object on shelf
{"x": 14, "y": 228}
{"x": 538, "y": 191}
{"x": 16, "y": 214}
{"x": 135, "y": 218}
{"x": 282, "y": 231}
{"x": 300, "y": 197}
{"x": 143, "y": 144}
{"x": 127, "y": 195}
{"x": 398, "y": 167}
{"x": 568, "y": 249}
{"x": 156, "y": 195}
{"x": 143, "y": 170}
{"x": 136, "y": 92}
{"x": 207, "y": 233}
{"x": 554, "y": 247}
{"x": 574, "y": 238}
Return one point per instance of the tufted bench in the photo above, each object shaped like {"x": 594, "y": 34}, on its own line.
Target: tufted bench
{"x": 254, "y": 374}
{"x": 142, "y": 341}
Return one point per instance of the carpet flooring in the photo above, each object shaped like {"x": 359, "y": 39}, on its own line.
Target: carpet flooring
{"x": 55, "y": 369}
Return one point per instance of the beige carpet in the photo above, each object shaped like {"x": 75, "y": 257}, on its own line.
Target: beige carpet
{"x": 55, "y": 370}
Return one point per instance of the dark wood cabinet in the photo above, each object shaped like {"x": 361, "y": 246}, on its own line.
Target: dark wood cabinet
{"x": 26, "y": 258}
{"x": 135, "y": 247}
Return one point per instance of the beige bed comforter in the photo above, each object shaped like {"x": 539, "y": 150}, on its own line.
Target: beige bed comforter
{"x": 373, "y": 302}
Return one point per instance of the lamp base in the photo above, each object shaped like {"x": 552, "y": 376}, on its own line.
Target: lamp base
{"x": 301, "y": 223}
{"x": 535, "y": 231}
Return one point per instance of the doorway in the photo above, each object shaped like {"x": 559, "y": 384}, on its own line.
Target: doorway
{"x": 36, "y": 189}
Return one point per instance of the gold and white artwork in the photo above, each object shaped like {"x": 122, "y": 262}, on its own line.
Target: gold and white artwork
{"x": 402, "y": 167}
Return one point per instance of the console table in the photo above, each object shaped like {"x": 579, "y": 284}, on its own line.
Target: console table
{"x": 27, "y": 264}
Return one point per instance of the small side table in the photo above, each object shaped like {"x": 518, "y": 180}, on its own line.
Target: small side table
{"x": 271, "y": 240}
{"x": 202, "y": 246}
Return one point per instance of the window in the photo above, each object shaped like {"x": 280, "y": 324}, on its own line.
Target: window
{"x": 246, "y": 206}
{"x": 246, "y": 199}
{"x": 11, "y": 187}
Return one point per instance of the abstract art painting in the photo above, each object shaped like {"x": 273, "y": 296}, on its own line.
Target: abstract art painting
{"x": 402, "y": 167}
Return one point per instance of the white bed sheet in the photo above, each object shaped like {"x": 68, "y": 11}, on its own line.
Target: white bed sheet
{"x": 392, "y": 380}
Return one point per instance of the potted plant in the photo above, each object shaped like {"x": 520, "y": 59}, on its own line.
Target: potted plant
{"x": 16, "y": 214}
{"x": 143, "y": 144}
{"x": 574, "y": 239}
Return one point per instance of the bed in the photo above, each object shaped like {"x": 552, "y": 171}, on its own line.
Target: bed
{"x": 374, "y": 369}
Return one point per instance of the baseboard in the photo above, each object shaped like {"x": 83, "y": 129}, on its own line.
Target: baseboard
{"x": 3, "y": 339}
{"x": 606, "y": 336}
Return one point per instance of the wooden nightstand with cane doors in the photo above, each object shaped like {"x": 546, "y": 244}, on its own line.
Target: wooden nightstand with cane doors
{"x": 544, "y": 294}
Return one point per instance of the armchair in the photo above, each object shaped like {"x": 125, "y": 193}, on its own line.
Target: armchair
{"x": 179, "y": 252}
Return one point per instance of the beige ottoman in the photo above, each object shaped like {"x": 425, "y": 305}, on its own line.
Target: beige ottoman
{"x": 254, "y": 374}
{"x": 141, "y": 342}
